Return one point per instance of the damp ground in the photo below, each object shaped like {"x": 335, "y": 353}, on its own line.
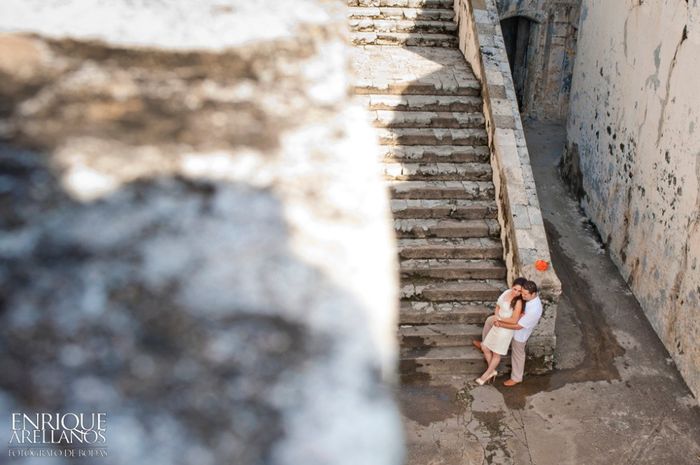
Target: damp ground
{"x": 615, "y": 396}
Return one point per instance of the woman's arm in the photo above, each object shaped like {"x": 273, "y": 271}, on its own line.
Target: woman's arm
{"x": 515, "y": 326}
{"x": 497, "y": 311}
{"x": 516, "y": 314}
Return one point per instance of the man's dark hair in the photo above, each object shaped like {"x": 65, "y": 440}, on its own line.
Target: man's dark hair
{"x": 530, "y": 287}
{"x": 519, "y": 281}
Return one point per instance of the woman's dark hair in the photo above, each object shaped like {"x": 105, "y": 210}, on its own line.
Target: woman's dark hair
{"x": 514, "y": 301}
{"x": 518, "y": 282}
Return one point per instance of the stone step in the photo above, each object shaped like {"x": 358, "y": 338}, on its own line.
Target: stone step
{"x": 452, "y": 360}
{"x": 402, "y": 25}
{"x": 470, "y": 190}
{"x": 466, "y": 103}
{"x": 468, "y": 86}
{"x": 452, "y": 269}
{"x": 429, "y": 136}
{"x": 419, "y": 312}
{"x": 401, "y": 13}
{"x": 438, "y": 171}
{"x": 426, "y": 119}
{"x": 402, "y": 3}
{"x": 450, "y": 248}
{"x": 438, "y": 335}
{"x": 419, "y": 39}
{"x": 411, "y": 70}
{"x": 435, "y": 153}
{"x": 426, "y": 228}
{"x": 450, "y": 291}
{"x": 444, "y": 209}
{"x": 426, "y": 86}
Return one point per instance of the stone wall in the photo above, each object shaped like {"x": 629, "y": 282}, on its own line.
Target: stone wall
{"x": 633, "y": 156}
{"x": 550, "y": 54}
{"x": 196, "y": 238}
{"x": 522, "y": 228}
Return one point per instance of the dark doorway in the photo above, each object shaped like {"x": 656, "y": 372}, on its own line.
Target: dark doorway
{"x": 516, "y": 35}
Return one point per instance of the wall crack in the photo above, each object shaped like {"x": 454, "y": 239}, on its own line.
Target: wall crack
{"x": 664, "y": 105}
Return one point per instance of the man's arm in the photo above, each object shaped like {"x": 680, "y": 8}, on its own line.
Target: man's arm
{"x": 516, "y": 314}
{"x": 501, "y": 324}
{"x": 514, "y": 326}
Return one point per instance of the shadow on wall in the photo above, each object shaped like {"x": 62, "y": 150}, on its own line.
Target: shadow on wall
{"x": 177, "y": 307}
{"x": 516, "y": 36}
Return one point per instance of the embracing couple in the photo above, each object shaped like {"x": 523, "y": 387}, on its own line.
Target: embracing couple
{"x": 518, "y": 310}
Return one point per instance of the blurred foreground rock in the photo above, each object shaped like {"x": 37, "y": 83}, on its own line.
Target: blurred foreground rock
{"x": 195, "y": 236}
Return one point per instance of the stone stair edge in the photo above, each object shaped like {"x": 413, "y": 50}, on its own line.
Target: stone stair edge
{"x": 405, "y": 12}
{"x": 439, "y": 328}
{"x": 422, "y": 103}
{"x": 432, "y": 153}
{"x": 403, "y": 38}
{"x": 369, "y": 24}
{"x": 414, "y": 263}
{"x": 456, "y": 241}
{"x": 408, "y": 3}
{"x": 445, "y": 353}
{"x": 463, "y": 312}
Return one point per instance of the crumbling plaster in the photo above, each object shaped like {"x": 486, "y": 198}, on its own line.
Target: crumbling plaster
{"x": 633, "y": 155}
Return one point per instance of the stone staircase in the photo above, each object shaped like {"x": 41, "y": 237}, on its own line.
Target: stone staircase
{"x": 421, "y": 22}
{"x": 425, "y": 103}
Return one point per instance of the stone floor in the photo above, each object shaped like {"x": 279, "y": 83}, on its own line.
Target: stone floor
{"x": 615, "y": 396}
{"x": 423, "y": 69}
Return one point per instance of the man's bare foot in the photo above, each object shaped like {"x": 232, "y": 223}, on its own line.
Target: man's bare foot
{"x": 510, "y": 382}
{"x": 476, "y": 344}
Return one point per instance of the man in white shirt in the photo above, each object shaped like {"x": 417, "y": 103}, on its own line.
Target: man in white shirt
{"x": 523, "y": 329}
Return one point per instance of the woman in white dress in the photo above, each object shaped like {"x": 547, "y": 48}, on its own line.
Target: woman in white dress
{"x": 509, "y": 307}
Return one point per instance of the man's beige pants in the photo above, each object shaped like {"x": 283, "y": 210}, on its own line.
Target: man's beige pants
{"x": 517, "y": 352}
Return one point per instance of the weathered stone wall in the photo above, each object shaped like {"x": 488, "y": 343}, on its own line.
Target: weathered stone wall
{"x": 196, "y": 238}
{"x": 633, "y": 156}
{"x": 551, "y": 53}
{"x": 522, "y": 228}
